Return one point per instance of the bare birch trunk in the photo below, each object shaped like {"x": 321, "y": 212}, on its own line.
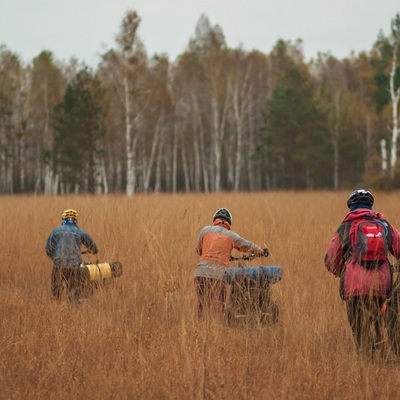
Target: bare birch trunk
{"x": 217, "y": 145}
{"x": 160, "y": 158}
{"x": 55, "y": 185}
{"x": 44, "y": 144}
{"x": 130, "y": 184}
{"x": 239, "y": 109}
{"x": 254, "y": 174}
{"x": 3, "y": 168}
{"x": 22, "y": 160}
{"x": 9, "y": 180}
{"x": 335, "y": 140}
{"x": 205, "y": 165}
{"x": 395, "y": 95}
{"x": 104, "y": 177}
{"x": 119, "y": 176}
{"x": 196, "y": 153}
{"x": 218, "y": 129}
{"x": 175, "y": 162}
{"x": 48, "y": 176}
{"x": 168, "y": 167}
{"x": 383, "y": 155}
{"x": 230, "y": 151}
{"x": 98, "y": 164}
{"x": 197, "y": 162}
{"x": 157, "y": 183}
{"x": 185, "y": 166}
{"x": 148, "y": 168}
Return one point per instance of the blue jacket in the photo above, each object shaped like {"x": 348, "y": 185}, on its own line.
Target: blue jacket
{"x": 64, "y": 246}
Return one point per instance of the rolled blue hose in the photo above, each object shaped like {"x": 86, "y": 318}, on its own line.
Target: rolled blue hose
{"x": 270, "y": 274}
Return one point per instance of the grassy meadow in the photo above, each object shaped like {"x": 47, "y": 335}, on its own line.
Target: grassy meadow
{"x": 139, "y": 338}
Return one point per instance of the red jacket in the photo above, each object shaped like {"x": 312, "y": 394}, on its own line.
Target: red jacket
{"x": 357, "y": 280}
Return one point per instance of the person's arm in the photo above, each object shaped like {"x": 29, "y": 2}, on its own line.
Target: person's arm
{"x": 89, "y": 243}
{"x": 50, "y": 246}
{"x": 395, "y": 246}
{"x": 334, "y": 257}
{"x": 246, "y": 246}
{"x": 199, "y": 244}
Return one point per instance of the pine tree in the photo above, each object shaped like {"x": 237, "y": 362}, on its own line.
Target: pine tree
{"x": 79, "y": 133}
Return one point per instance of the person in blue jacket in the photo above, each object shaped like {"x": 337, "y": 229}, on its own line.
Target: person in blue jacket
{"x": 63, "y": 246}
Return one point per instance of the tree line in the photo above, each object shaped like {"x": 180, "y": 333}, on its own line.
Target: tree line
{"x": 216, "y": 119}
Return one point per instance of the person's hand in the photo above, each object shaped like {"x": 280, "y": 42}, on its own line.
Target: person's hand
{"x": 266, "y": 252}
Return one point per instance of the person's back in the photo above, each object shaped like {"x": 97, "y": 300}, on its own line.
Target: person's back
{"x": 216, "y": 242}
{"x": 358, "y": 254}
{"x": 361, "y": 278}
{"x": 214, "y": 246}
{"x": 63, "y": 246}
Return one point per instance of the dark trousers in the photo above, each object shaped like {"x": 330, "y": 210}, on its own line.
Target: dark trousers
{"x": 365, "y": 318}
{"x": 74, "y": 280}
{"x": 211, "y": 294}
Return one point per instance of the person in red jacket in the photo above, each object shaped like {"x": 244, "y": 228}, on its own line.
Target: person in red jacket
{"x": 358, "y": 254}
{"x": 214, "y": 246}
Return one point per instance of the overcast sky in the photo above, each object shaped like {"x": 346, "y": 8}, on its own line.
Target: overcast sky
{"x": 86, "y": 28}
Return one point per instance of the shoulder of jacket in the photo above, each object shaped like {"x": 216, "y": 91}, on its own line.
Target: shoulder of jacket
{"x": 345, "y": 226}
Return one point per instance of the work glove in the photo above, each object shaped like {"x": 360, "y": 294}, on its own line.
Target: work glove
{"x": 266, "y": 252}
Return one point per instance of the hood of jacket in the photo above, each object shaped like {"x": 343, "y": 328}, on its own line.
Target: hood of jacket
{"x": 222, "y": 222}
{"x": 362, "y": 213}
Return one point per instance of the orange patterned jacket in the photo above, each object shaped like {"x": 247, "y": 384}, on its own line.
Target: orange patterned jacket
{"x": 215, "y": 244}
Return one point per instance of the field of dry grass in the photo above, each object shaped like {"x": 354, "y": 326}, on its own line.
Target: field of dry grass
{"x": 140, "y": 339}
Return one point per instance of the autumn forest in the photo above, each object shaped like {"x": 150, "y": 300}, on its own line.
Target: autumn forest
{"x": 215, "y": 119}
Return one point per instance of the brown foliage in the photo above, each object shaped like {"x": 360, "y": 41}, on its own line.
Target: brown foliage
{"x": 139, "y": 337}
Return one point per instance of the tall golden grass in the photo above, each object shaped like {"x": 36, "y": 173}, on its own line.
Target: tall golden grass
{"x": 140, "y": 339}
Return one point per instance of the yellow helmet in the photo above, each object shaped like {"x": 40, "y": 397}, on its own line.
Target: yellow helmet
{"x": 70, "y": 214}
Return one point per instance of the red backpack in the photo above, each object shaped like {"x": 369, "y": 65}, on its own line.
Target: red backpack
{"x": 369, "y": 241}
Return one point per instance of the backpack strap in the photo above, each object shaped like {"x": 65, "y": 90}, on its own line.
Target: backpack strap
{"x": 388, "y": 231}
{"x": 344, "y": 236}
{"x": 388, "y": 234}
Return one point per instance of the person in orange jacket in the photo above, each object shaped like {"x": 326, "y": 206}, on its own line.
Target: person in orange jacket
{"x": 214, "y": 246}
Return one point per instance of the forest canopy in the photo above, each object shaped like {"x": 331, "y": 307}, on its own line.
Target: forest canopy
{"x": 216, "y": 119}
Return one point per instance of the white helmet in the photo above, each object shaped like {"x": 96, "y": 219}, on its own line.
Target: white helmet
{"x": 223, "y": 213}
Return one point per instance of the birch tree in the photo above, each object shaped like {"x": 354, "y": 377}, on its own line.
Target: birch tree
{"x": 241, "y": 102}
{"x": 255, "y": 167}
{"x": 331, "y": 94}
{"x": 189, "y": 99}
{"x": 47, "y": 86}
{"x": 128, "y": 68}
{"x": 209, "y": 45}
{"x": 395, "y": 92}
{"x": 156, "y": 119}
